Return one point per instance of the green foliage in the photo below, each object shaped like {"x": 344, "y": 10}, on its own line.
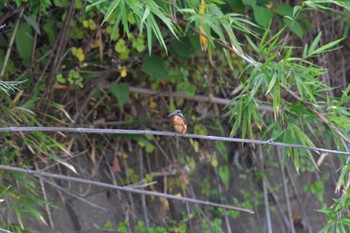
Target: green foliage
{"x": 224, "y": 174}
{"x": 78, "y": 53}
{"x": 108, "y": 226}
{"x": 178, "y": 227}
{"x": 186, "y": 87}
{"x": 24, "y": 49}
{"x": 325, "y": 4}
{"x": 144, "y": 14}
{"x": 73, "y": 78}
{"x": 262, "y": 15}
{"x": 312, "y": 51}
{"x": 267, "y": 67}
{"x": 23, "y": 199}
{"x": 245, "y": 113}
{"x": 212, "y": 226}
{"x": 155, "y": 67}
{"x": 121, "y": 91}
{"x": 139, "y": 43}
{"x": 286, "y": 15}
{"x": 221, "y": 148}
{"x": 122, "y": 49}
{"x": 294, "y": 135}
{"x": 316, "y": 188}
{"x": 144, "y": 142}
{"x": 18, "y": 189}
{"x": 337, "y": 214}
{"x": 36, "y": 5}
{"x": 205, "y": 187}
{"x": 184, "y": 48}
{"x": 249, "y": 199}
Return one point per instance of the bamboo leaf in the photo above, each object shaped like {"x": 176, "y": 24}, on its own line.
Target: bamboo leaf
{"x": 95, "y": 3}
{"x": 305, "y": 52}
{"x": 326, "y": 47}
{"x": 272, "y": 83}
{"x": 124, "y": 18}
{"x": 145, "y": 15}
{"x": 187, "y": 10}
{"x": 156, "y": 30}
{"x": 224, "y": 174}
{"x": 314, "y": 43}
{"x": 110, "y": 10}
{"x": 149, "y": 38}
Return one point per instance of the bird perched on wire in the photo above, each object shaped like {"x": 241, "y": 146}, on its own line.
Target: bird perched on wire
{"x": 179, "y": 122}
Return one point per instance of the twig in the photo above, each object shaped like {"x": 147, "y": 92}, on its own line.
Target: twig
{"x": 266, "y": 200}
{"x": 143, "y": 197}
{"x": 141, "y": 184}
{"x": 165, "y": 133}
{"x": 124, "y": 204}
{"x": 189, "y": 214}
{"x": 199, "y": 98}
{"x": 35, "y": 44}
{"x": 161, "y": 149}
{"x": 47, "y": 207}
{"x": 121, "y": 188}
{"x": 12, "y": 39}
{"x": 227, "y": 221}
{"x": 297, "y": 196}
{"x": 280, "y": 209}
{"x": 62, "y": 41}
{"x": 73, "y": 194}
{"x": 285, "y": 190}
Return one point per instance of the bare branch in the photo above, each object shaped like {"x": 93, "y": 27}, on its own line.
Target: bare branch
{"x": 121, "y": 188}
{"x": 198, "y": 98}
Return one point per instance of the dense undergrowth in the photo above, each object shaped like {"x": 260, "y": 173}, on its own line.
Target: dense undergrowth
{"x": 272, "y": 65}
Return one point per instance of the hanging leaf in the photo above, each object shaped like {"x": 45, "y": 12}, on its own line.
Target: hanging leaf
{"x": 182, "y": 48}
{"x": 221, "y": 148}
{"x": 155, "y": 67}
{"x": 187, "y": 87}
{"x": 224, "y": 175}
{"x": 249, "y": 2}
{"x": 115, "y": 165}
{"x": 121, "y": 91}
{"x": 262, "y": 16}
{"x": 31, "y": 20}
{"x": 24, "y": 42}
{"x": 203, "y": 39}
{"x": 294, "y": 26}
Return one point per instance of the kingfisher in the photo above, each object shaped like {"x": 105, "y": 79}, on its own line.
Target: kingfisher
{"x": 179, "y": 122}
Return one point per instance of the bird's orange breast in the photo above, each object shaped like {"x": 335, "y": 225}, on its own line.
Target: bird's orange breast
{"x": 179, "y": 124}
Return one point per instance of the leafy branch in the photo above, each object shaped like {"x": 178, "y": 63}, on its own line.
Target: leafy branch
{"x": 7, "y": 86}
{"x": 270, "y": 74}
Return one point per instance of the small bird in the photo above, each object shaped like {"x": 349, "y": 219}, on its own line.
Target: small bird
{"x": 179, "y": 122}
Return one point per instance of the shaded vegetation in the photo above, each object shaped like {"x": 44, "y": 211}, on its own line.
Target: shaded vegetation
{"x": 279, "y": 69}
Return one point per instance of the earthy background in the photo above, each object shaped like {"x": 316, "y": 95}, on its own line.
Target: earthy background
{"x": 76, "y": 69}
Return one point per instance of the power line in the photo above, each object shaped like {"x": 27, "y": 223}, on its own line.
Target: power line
{"x": 164, "y": 133}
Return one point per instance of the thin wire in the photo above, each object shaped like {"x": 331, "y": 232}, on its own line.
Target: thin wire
{"x": 164, "y": 133}
{"x": 121, "y": 188}
{"x": 6, "y": 231}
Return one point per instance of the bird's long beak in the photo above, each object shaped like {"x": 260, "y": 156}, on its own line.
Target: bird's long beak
{"x": 172, "y": 114}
